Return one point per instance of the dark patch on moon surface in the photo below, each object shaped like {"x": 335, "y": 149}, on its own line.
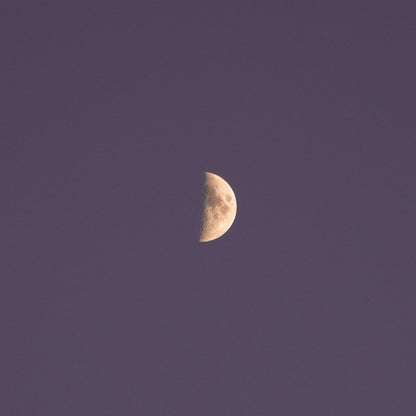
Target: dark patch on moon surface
{"x": 216, "y": 204}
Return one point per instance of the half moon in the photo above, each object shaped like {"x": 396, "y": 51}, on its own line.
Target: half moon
{"x": 220, "y": 208}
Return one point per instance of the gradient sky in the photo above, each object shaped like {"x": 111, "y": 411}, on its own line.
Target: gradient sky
{"x": 112, "y": 111}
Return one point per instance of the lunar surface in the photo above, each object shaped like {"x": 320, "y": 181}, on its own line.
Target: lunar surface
{"x": 220, "y": 208}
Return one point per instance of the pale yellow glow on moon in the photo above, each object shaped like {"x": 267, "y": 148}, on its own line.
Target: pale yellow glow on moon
{"x": 220, "y": 208}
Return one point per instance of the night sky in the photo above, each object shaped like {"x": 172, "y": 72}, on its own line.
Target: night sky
{"x": 111, "y": 113}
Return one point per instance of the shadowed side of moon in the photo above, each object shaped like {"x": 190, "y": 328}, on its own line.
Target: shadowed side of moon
{"x": 220, "y": 208}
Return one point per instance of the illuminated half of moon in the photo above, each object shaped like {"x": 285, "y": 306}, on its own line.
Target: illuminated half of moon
{"x": 220, "y": 208}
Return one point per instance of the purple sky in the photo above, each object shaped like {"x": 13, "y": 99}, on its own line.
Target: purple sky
{"x": 112, "y": 112}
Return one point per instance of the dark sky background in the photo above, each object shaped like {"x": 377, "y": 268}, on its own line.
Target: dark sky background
{"x": 112, "y": 111}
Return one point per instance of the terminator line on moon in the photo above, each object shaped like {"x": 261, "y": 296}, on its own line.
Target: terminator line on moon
{"x": 220, "y": 208}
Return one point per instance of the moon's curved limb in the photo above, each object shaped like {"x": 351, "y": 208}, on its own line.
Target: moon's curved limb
{"x": 220, "y": 208}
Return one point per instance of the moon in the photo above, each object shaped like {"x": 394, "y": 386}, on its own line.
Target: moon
{"x": 220, "y": 208}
